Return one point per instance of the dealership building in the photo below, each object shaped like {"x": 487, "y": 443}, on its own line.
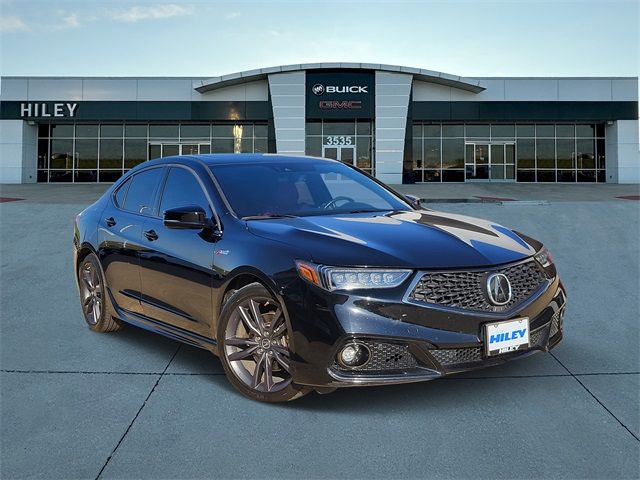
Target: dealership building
{"x": 401, "y": 124}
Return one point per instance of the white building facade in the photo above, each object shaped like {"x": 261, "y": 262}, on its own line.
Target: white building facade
{"x": 401, "y": 124}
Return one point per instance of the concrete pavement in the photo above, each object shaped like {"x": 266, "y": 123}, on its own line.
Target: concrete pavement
{"x": 76, "y": 404}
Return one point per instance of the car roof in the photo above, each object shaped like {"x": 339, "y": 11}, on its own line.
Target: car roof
{"x": 240, "y": 158}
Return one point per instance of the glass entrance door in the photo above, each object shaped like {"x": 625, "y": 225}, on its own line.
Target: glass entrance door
{"x": 344, "y": 153}
{"x": 490, "y": 161}
{"x": 159, "y": 150}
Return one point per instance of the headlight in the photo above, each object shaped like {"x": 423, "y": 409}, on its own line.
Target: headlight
{"x": 544, "y": 257}
{"x": 338, "y": 278}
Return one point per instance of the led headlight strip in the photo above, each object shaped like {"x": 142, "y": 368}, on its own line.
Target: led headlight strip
{"x": 340, "y": 278}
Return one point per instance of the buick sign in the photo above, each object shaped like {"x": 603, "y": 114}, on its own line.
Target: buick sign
{"x": 319, "y": 89}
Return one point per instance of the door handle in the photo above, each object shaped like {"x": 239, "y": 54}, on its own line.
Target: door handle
{"x": 110, "y": 221}
{"x": 151, "y": 235}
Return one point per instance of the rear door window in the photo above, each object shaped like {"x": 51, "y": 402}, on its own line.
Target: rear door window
{"x": 140, "y": 197}
{"x": 121, "y": 193}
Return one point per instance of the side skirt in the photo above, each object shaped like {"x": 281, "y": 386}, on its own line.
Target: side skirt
{"x": 171, "y": 331}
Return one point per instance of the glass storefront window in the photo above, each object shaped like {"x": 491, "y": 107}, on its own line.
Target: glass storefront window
{"x": 566, "y": 131}
{"x": 545, "y": 153}
{"x": 525, "y": 131}
{"x": 432, "y": 131}
{"x": 222, "y": 145}
{"x": 526, "y": 153}
{"x": 339, "y": 128}
{"x": 86, "y": 130}
{"x": 503, "y": 131}
{"x": 104, "y": 151}
{"x": 363, "y": 153}
{"x": 546, "y": 131}
{"x": 260, "y": 131}
{"x": 585, "y": 131}
{"x": 417, "y": 153}
{"x": 111, "y": 153}
{"x": 135, "y": 131}
{"x": 314, "y": 128}
{"x": 61, "y": 154}
{"x": 453, "y": 153}
{"x": 586, "y": 153}
{"x": 62, "y": 131}
{"x": 566, "y": 153}
{"x": 86, "y": 153}
{"x": 111, "y": 131}
{"x": 477, "y": 131}
{"x": 135, "y": 152}
{"x": 453, "y": 130}
{"x": 163, "y": 131}
{"x": 432, "y": 153}
{"x": 195, "y": 131}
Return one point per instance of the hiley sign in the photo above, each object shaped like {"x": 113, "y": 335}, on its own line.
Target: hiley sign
{"x": 44, "y": 110}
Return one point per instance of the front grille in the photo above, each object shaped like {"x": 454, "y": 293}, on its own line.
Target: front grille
{"x": 467, "y": 290}
{"x": 384, "y": 356}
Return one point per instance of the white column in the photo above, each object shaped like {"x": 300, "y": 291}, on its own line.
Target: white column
{"x": 622, "y": 152}
{"x": 392, "y": 105}
{"x": 288, "y": 101}
{"x": 18, "y": 152}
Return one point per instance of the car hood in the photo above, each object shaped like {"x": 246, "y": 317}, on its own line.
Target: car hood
{"x": 416, "y": 239}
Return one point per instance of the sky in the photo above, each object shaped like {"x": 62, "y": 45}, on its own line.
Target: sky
{"x": 210, "y": 38}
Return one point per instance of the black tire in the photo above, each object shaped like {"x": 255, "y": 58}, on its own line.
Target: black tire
{"x": 252, "y": 352}
{"x": 94, "y": 302}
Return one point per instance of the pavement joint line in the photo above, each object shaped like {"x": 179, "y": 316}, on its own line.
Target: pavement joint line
{"x": 137, "y": 413}
{"x": 596, "y": 398}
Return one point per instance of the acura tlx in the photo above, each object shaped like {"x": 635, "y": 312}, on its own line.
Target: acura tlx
{"x": 306, "y": 274}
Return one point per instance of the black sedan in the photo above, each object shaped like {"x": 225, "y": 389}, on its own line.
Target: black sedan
{"x": 304, "y": 273}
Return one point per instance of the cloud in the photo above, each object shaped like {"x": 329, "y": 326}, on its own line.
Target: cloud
{"x": 232, "y": 15}
{"x": 152, "y": 12}
{"x": 71, "y": 21}
{"x": 10, "y": 24}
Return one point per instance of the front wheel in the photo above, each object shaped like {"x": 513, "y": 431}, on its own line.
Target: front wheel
{"x": 253, "y": 341}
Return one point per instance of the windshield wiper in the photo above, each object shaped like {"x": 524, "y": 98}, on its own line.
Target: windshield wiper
{"x": 267, "y": 216}
{"x": 369, "y": 210}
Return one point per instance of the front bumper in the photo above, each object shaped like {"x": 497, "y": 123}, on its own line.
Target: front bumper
{"x": 408, "y": 343}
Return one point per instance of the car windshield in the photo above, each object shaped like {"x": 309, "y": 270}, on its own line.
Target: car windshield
{"x": 301, "y": 188}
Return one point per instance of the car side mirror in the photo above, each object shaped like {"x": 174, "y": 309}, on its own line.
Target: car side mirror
{"x": 186, "y": 217}
{"x": 414, "y": 201}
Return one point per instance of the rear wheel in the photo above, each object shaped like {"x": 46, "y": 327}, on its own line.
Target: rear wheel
{"x": 96, "y": 307}
{"x": 253, "y": 341}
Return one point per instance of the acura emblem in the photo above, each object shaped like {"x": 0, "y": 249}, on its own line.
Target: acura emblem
{"x": 498, "y": 289}
{"x": 318, "y": 89}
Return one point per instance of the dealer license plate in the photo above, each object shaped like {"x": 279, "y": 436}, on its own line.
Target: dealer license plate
{"x": 505, "y": 337}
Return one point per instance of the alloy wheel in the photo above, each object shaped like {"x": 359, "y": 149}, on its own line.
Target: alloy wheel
{"x": 91, "y": 293}
{"x": 256, "y": 345}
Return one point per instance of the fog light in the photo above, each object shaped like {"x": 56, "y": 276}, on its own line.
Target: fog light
{"x": 353, "y": 355}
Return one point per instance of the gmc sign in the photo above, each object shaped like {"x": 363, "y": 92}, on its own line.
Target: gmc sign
{"x": 336, "y": 104}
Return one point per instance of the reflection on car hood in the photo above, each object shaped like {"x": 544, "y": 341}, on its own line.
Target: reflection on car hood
{"x": 417, "y": 239}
